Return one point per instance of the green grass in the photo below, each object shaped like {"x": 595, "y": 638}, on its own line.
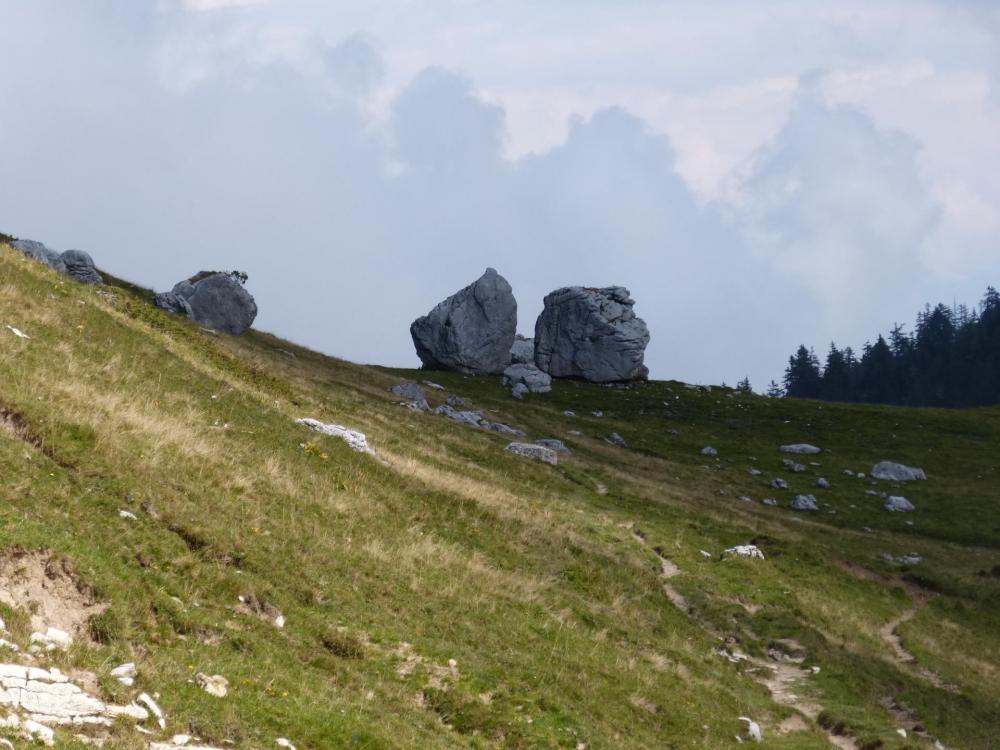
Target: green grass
{"x": 527, "y": 576}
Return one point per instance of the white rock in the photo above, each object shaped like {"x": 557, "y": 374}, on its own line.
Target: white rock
{"x": 52, "y": 638}
{"x": 282, "y": 742}
{"x": 745, "y": 550}
{"x": 154, "y": 709}
{"x": 435, "y": 386}
{"x": 19, "y": 333}
{"x": 128, "y": 514}
{"x": 753, "y": 729}
{"x": 898, "y": 504}
{"x": 214, "y": 684}
{"x": 124, "y": 670}
{"x": 4, "y": 643}
{"x": 35, "y": 731}
{"x": 704, "y": 553}
{"x": 353, "y": 438}
{"x": 279, "y": 621}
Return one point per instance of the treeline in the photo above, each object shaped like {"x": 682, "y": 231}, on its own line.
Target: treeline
{"x": 952, "y": 358}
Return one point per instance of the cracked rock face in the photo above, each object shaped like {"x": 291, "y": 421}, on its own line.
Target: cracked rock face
{"x": 47, "y": 696}
{"x": 472, "y": 331}
{"x": 591, "y": 334}
{"x": 76, "y": 264}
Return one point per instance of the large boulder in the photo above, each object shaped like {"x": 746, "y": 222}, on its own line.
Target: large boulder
{"x": 472, "y": 331}
{"x": 217, "y": 300}
{"x": 80, "y": 266}
{"x": 591, "y": 334}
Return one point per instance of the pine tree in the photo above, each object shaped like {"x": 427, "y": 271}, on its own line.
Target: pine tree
{"x": 743, "y": 386}
{"x": 802, "y": 377}
{"x": 774, "y": 390}
{"x": 836, "y": 376}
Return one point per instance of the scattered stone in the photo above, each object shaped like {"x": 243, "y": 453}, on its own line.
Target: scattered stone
{"x": 799, "y": 448}
{"x": 454, "y": 400}
{"x": 519, "y": 391}
{"x": 804, "y": 502}
{"x": 353, "y": 438}
{"x": 282, "y": 742}
{"x": 471, "y": 331}
{"x": 792, "y": 466}
{"x": 753, "y": 729}
{"x": 522, "y": 351}
{"x": 52, "y": 639}
{"x": 769, "y": 501}
{"x": 755, "y": 472}
{"x": 898, "y": 504}
{"x": 591, "y": 334}
{"x": 534, "y": 452}
{"x": 409, "y": 391}
{"x": 434, "y": 386}
{"x": 215, "y": 684}
{"x": 887, "y": 470}
{"x": 745, "y": 550}
{"x": 154, "y": 709}
{"x": 598, "y": 413}
{"x": 214, "y": 299}
{"x": 471, "y": 418}
{"x": 617, "y": 440}
{"x": 503, "y": 429}
{"x": 125, "y": 674}
{"x": 704, "y": 553}
{"x": 533, "y": 379}
{"x": 779, "y": 484}
{"x": 569, "y": 413}
{"x": 848, "y": 473}
{"x": 18, "y": 332}
{"x": 745, "y": 498}
{"x": 822, "y": 484}
{"x": 420, "y": 405}
{"x": 127, "y": 515}
{"x": 557, "y": 445}
{"x": 708, "y": 450}
{"x": 860, "y": 475}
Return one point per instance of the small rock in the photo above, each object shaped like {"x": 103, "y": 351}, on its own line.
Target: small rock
{"x": 755, "y": 472}
{"x": 530, "y": 376}
{"x": 18, "y": 332}
{"x": 519, "y": 391}
{"x": 615, "y": 439}
{"x": 887, "y": 470}
{"x": 708, "y": 450}
{"x": 745, "y": 550}
{"x": 769, "y": 501}
{"x": 704, "y": 553}
{"x": 215, "y": 684}
{"x": 353, "y": 438}
{"x": 568, "y": 413}
{"x": 804, "y": 502}
{"x": 522, "y": 351}
{"x": 745, "y": 498}
{"x": 128, "y": 515}
{"x": 454, "y": 400}
{"x": 598, "y": 413}
{"x": 154, "y": 709}
{"x": 822, "y": 484}
{"x": 848, "y": 473}
{"x": 534, "y": 452}
{"x": 282, "y": 742}
{"x": 52, "y": 639}
{"x": 409, "y": 391}
{"x": 898, "y": 504}
{"x": 793, "y": 466}
{"x": 753, "y": 729}
{"x": 799, "y": 448}
{"x": 779, "y": 484}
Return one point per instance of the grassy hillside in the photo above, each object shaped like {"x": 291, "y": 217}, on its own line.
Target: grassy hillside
{"x": 446, "y": 594}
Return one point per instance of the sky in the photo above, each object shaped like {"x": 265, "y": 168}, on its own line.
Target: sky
{"x": 759, "y": 174}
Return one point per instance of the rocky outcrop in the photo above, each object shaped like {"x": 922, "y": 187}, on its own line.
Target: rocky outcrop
{"x": 801, "y": 448}
{"x": 526, "y": 379}
{"x": 888, "y": 470}
{"x": 591, "y": 334}
{"x": 216, "y": 300}
{"x": 472, "y": 331}
{"x": 80, "y": 266}
{"x": 353, "y": 438}
{"x": 76, "y": 264}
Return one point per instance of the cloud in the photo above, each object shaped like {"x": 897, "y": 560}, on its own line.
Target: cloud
{"x": 208, "y": 5}
{"x": 839, "y": 207}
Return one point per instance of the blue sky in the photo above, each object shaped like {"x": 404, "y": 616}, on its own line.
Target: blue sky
{"x": 759, "y": 174}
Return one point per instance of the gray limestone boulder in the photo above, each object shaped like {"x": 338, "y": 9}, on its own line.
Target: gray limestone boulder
{"x": 801, "y": 448}
{"x": 897, "y": 504}
{"x": 804, "y": 502}
{"x": 551, "y": 443}
{"x": 617, "y": 440}
{"x": 37, "y": 251}
{"x": 216, "y": 300}
{"x": 472, "y": 331}
{"x": 822, "y": 483}
{"x": 80, "y": 266}
{"x": 779, "y": 484}
{"x": 534, "y": 452}
{"x": 708, "y": 450}
{"x": 533, "y": 379}
{"x": 888, "y": 470}
{"x": 522, "y": 351}
{"x": 409, "y": 391}
{"x": 591, "y": 334}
